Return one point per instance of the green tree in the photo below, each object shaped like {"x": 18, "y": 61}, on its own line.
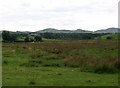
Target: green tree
{"x": 31, "y": 39}
{"x": 27, "y": 39}
{"x": 9, "y": 36}
{"x": 38, "y": 38}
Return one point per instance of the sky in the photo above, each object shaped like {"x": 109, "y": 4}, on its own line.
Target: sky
{"x": 34, "y": 15}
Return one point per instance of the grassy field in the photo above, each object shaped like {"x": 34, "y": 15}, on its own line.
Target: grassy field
{"x": 61, "y": 63}
{"x": 112, "y": 36}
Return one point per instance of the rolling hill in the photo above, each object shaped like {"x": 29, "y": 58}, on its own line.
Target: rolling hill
{"x": 109, "y": 30}
{"x": 53, "y": 30}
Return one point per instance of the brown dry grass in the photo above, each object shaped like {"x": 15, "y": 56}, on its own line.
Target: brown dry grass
{"x": 92, "y": 55}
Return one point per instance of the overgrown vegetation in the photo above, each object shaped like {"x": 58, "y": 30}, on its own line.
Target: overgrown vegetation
{"x": 85, "y": 54}
{"x": 40, "y": 62}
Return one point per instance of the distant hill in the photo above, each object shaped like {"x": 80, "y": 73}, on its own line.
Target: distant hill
{"x": 109, "y": 30}
{"x": 82, "y": 31}
{"x": 52, "y": 30}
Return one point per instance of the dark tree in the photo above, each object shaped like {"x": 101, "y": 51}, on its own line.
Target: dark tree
{"x": 27, "y": 39}
{"x": 70, "y": 36}
{"x": 9, "y": 36}
{"x": 109, "y": 38}
{"x": 38, "y": 38}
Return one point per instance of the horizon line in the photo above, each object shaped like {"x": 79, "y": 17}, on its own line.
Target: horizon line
{"x": 59, "y": 29}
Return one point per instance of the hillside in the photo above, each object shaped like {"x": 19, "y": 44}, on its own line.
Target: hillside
{"x": 109, "y": 30}
{"x": 53, "y": 30}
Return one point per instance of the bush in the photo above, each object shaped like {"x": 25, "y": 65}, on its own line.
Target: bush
{"x": 5, "y": 62}
{"x": 109, "y": 38}
{"x": 32, "y": 83}
{"x": 104, "y": 69}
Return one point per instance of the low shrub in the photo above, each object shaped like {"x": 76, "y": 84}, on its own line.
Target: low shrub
{"x": 104, "y": 69}
{"x": 52, "y": 64}
{"x": 5, "y": 62}
{"x": 32, "y": 83}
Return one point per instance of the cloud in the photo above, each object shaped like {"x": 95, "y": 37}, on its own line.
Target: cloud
{"x": 32, "y": 15}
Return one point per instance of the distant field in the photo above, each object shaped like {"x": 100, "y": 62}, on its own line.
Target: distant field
{"x": 111, "y": 36}
{"x": 61, "y": 63}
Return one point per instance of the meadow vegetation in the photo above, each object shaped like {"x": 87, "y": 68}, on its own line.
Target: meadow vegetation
{"x": 109, "y": 37}
{"x": 75, "y": 63}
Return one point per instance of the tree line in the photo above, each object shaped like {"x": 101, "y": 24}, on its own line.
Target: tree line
{"x": 8, "y": 36}
{"x": 70, "y": 36}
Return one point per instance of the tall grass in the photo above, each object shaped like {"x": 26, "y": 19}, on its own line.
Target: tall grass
{"x": 93, "y": 55}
